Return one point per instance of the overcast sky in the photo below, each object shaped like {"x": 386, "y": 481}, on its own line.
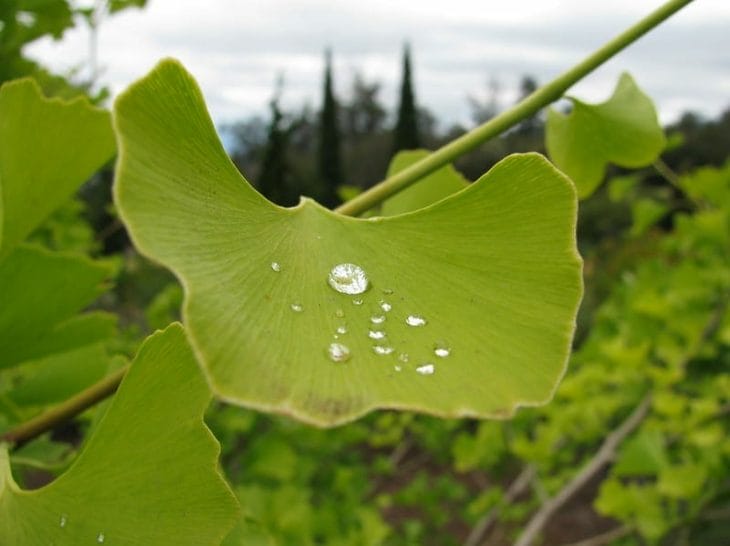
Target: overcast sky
{"x": 237, "y": 48}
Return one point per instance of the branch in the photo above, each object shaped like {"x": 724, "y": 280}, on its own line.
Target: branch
{"x": 509, "y": 118}
{"x": 603, "y": 456}
{"x": 604, "y": 538}
{"x": 516, "y": 488}
{"x": 75, "y": 405}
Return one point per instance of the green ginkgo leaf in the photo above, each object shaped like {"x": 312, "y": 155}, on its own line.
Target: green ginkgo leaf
{"x": 48, "y": 148}
{"x": 147, "y": 474}
{"x": 41, "y": 294}
{"x": 430, "y": 189}
{"x": 469, "y": 305}
{"x": 624, "y": 130}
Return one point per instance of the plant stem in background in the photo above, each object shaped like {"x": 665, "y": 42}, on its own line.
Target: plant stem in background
{"x": 64, "y": 411}
{"x": 509, "y": 118}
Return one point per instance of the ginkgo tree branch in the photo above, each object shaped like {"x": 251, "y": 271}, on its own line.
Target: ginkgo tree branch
{"x": 66, "y": 410}
{"x": 542, "y": 97}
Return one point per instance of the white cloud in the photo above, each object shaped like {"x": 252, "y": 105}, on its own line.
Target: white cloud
{"x": 237, "y": 49}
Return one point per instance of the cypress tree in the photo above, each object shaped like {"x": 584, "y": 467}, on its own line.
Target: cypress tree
{"x": 330, "y": 159}
{"x": 273, "y": 181}
{"x": 406, "y": 129}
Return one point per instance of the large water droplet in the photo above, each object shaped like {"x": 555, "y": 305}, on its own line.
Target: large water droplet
{"x": 382, "y": 349}
{"x": 275, "y": 266}
{"x": 415, "y": 320}
{"x": 100, "y": 538}
{"x": 385, "y": 306}
{"x": 297, "y": 307}
{"x": 348, "y": 279}
{"x": 338, "y": 352}
{"x": 342, "y": 329}
{"x": 377, "y": 319}
{"x": 441, "y": 350}
{"x": 63, "y": 521}
{"x": 376, "y": 334}
{"x": 426, "y": 369}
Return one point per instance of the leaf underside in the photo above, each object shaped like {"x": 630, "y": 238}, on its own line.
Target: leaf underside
{"x": 624, "y": 130}
{"x": 493, "y": 270}
{"x": 147, "y": 474}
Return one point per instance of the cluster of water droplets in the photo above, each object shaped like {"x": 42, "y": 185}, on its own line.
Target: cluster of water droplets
{"x": 351, "y": 279}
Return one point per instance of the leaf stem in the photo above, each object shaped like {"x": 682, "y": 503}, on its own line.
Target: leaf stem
{"x": 509, "y": 118}
{"x": 75, "y": 405}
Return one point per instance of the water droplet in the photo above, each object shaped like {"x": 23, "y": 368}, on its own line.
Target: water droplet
{"x": 426, "y": 369}
{"x": 403, "y": 357}
{"x": 397, "y": 368}
{"x": 357, "y": 302}
{"x": 275, "y": 266}
{"x": 339, "y": 313}
{"x": 441, "y": 350}
{"x": 385, "y": 306}
{"x": 64, "y": 519}
{"x": 415, "y": 320}
{"x": 296, "y": 307}
{"x": 338, "y": 352}
{"x": 342, "y": 329}
{"x": 348, "y": 279}
{"x": 100, "y": 538}
{"x": 387, "y": 291}
{"x": 382, "y": 349}
{"x": 377, "y": 319}
{"x": 376, "y": 334}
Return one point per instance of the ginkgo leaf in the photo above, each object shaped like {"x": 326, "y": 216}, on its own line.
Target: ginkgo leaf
{"x": 430, "y": 189}
{"x": 470, "y": 303}
{"x": 48, "y": 148}
{"x": 41, "y": 293}
{"x": 624, "y": 130}
{"x": 147, "y": 474}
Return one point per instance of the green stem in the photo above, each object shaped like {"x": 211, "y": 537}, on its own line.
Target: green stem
{"x": 64, "y": 411}
{"x": 530, "y": 105}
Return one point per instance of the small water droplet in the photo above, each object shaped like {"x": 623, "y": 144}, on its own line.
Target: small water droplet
{"x": 376, "y": 334}
{"x": 385, "y": 306}
{"x": 377, "y": 319}
{"x": 415, "y": 320}
{"x": 64, "y": 519}
{"x": 357, "y": 302}
{"x": 296, "y": 307}
{"x": 339, "y": 313}
{"x": 382, "y": 349}
{"x": 338, "y": 352}
{"x": 441, "y": 350}
{"x": 403, "y": 357}
{"x": 342, "y": 329}
{"x": 387, "y": 291}
{"x": 426, "y": 369}
{"x": 397, "y": 368}
{"x": 100, "y": 538}
{"x": 275, "y": 266}
{"x": 348, "y": 279}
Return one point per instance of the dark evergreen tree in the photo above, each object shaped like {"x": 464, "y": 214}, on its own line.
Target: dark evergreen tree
{"x": 274, "y": 179}
{"x": 406, "y": 135}
{"x": 330, "y": 159}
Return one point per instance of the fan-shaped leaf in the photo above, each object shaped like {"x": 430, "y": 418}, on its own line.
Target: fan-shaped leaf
{"x": 493, "y": 271}
{"x": 48, "y": 148}
{"x": 624, "y": 130}
{"x": 147, "y": 474}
